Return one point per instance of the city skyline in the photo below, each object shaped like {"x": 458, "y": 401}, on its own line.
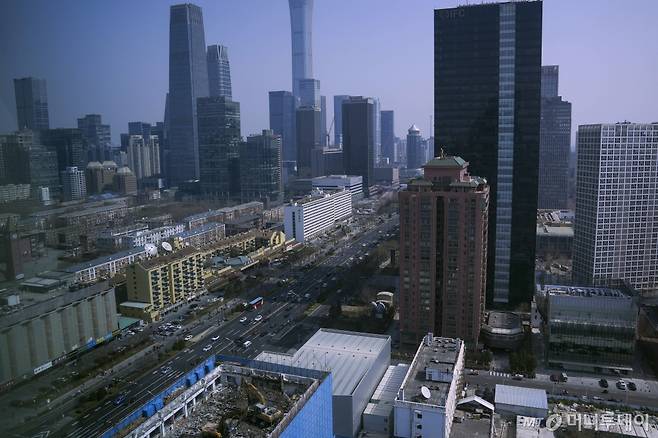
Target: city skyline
{"x": 585, "y": 77}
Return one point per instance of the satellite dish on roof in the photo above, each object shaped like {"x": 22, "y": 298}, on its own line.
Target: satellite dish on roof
{"x": 167, "y": 246}
{"x": 425, "y": 391}
{"x": 151, "y": 249}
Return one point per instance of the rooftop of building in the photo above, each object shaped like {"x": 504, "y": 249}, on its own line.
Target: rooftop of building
{"x": 348, "y": 355}
{"x": 381, "y": 402}
{"x": 446, "y": 161}
{"x": 547, "y": 230}
{"x": 586, "y": 292}
{"x": 504, "y": 320}
{"x": 350, "y": 178}
{"x": 521, "y": 396}
{"x": 434, "y": 353}
{"x": 168, "y": 258}
{"x": 199, "y": 230}
{"x": 105, "y": 259}
{"x": 135, "y": 305}
{"x": 315, "y": 195}
{"x": 211, "y": 213}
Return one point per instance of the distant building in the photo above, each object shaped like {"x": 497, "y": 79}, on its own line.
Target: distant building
{"x": 616, "y": 231}
{"x": 554, "y": 143}
{"x": 260, "y": 169}
{"x": 31, "y": 103}
{"x": 376, "y": 130}
{"x": 125, "y": 182}
{"x": 357, "y": 362}
{"x": 316, "y": 213}
{"x": 591, "y": 329}
{"x": 96, "y": 137}
{"x": 219, "y": 139}
{"x": 154, "y": 236}
{"x": 309, "y": 92}
{"x": 46, "y": 332}
{"x": 339, "y": 182}
{"x": 282, "y": 122}
{"x": 387, "y": 176}
{"x": 332, "y": 161}
{"x": 443, "y": 252}
{"x": 144, "y": 156}
{"x": 74, "y": 186}
{"x": 188, "y": 81}
{"x": 301, "y": 35}
{"x": 223, "y": 214}
{"x": 378, "y": 418}
{"x": 415, "y": 155}
{"x": 426, "y": 401}
{"x": 323, "y": 121}
{"x": 338, "y": 119}
{"x": 105, "y": 267}
{"x": 200, "y": 236}
{"x": 309, "y": 139}
{"x": 358, "y": 141}
{"x": 100, "y": 176}
{"x": 388, "y": 137}
{"x": 502, "y": 330}
{"x": 219, "y": 72}
{"x": 68, "y": 145}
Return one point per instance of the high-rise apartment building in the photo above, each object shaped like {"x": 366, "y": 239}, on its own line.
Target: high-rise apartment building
{"x": 301, "y": 30}
{"x": 125, "y": 181}
{"x": 616, "y": 230}
{"x": 415, "y": 153}
{"x": 554, "y": 143}
{"x": 388, "y": 136}
{"x": 188, "y": 80}
{"x": 144, "y": 155}
{"x": 96, "y": 137}
{"x": 338, "y": 119}
{"x": 219, "y": 72}
{"x": 31, "y": 103}
{"x": 260, "y": 169}
{"x": 282, "y": 122}
{"x": 309, "y": 139}
{"x": 74, "y": 186}
{"x": 358, "y": 138}
{"x": 443, "y": 252}
{"x": 487, "y": 110}
{"x": 219, "y": 139}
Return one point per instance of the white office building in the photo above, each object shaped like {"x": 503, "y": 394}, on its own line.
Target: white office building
{"x": 74, "y": 186}
{"x": 616, "y": 229}
{"x": 357, "y": 362}
{"x": 316, "y": 213}
{"x": 426, "y": 401}
{"x": 353, "y": 183}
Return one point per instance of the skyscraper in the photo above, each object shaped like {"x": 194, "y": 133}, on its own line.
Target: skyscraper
{"x": 443, "y": 252}
{"x": 309, "y": 139}
{"x": 554, "y": 142}
{"x": 31, "y": 103}
{"x": 377, "y": 129}
{"x": 96, "y": 137}
{"x": 309, "y": 92}
{"x": 487, "y": 110}
{"x": 616, "y": 230}
{"x": 338, "y": 118}
{"x": 219, "y": 72}
{"x": 73, "y": 184}
{"x": 358, "y": 138}
{"x": 388, "y": 136}
{"x": 323, "y": 119}
{"x": 69, "y": 146}
{"x": 140, "y": 128}
{"x": 260, "y": 169}
{"x": 188, "y": 80}
{"x": 415, "y": 153}
{"x": 282, "y": 122}
{"x": 301, "y": 25}
{"x": 144, "y": 155}
{"x": 219, "y": 139}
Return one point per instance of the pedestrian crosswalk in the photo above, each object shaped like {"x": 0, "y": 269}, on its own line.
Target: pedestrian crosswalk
{"x": 499, "y": 374}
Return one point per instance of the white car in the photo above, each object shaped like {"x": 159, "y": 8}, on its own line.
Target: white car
{"x": 214, "y": 338}
{"x": 207, "y": 348}
{"x": 258, "y": 318}
{"x": 188, "y": 337}
{"x": 243, "y": 319}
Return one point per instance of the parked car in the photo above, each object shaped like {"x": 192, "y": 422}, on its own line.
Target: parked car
{"x": 631, "y": 386}
{"x": 621, "y": 385}
{"x": 246, "y": 344}
{"x": 603, "y": 383}
{"x": 188, "y": 337}
{"x": 215, "y": 338}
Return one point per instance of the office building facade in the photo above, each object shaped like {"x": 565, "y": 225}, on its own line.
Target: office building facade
{"x": 219, "y": 72}
{"x": 260, "y": 169}
{"x": 415, "y": 155}
{"x": 219, "y": 139}
{"x": 69, "y": 146}
{"x": 31, "y": 103}
{"x": 282, "y": 122}
{"x": 616, "y": 228}
{"x": 309, "y": 92}
{"x": 487, "y": 110}
{"x": 358, "y": 138}
{"x": 96, "y": 137}
{"x": 338, "y": 119}
{"x": 388, "y": 136}
{"x": 309, "y": 139}
{"x": 316, "y": 213}
{"x": 188, "y": 80}
{"x": 554, "y": 143}
{"x": 339, "y": 182}
{"x": 74, "y": 186}
{"x": 301, "y": 35}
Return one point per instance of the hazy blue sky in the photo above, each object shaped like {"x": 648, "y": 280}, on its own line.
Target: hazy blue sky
{"x": 110, "y": 57}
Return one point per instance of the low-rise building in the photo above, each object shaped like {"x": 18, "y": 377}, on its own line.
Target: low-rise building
{"x": 316, "y": 213}
{"x": 378, "y": 414}
{"x": 353, "y": 183}
{"x": 223, "y": 214}
{"x": 106, "y": 266}
{"x": 502, "y": 330}
{"x": 155, "y": 236}
{"x": 112, "y": 240}
{"x": 43, "y": 333}
{"x": 426, "y": 401}
{"x": 591, "y": 328}
{"x": 200, "y": 236}
{"x": 511, "y": 401}
{"x": 357, "y": 362}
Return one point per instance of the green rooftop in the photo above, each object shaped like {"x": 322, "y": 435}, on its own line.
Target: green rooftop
{"x": 446, "y": 161}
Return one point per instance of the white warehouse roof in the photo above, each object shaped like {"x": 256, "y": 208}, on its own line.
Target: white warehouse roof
{"x": 520, "y": 396}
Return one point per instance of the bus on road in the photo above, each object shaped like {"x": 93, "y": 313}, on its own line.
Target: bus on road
{"x": 255, "y": 304}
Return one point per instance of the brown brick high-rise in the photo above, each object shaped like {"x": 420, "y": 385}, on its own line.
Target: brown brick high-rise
{"x": 443, "y": 252}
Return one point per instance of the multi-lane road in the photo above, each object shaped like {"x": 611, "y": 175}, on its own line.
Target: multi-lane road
{"x": 278, "y": 316}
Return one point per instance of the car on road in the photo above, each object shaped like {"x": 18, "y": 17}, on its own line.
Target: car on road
{"x": 243, "y": 319}
{"x": 215, "y": 338}
{"x": 603, "y": 383}
{"x": 473, "y": 373}
{"x": 188, "y": 337}
{"x": 165, "y": 370}
{"x": 631, "y": 386}
{"x": 621, "y": 385}
{"x": 597, "y": 398}
{"x": 120, "y": 399}
{"x": 258, "y": 318}
{"x": 207, "y": 347}
{"x": 517, "y": 377}
{"x": 246, "y": 344}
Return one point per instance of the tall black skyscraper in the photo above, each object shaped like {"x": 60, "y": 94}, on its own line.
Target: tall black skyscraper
{"x": 188, "y": 80}
{"x": 358, "y": 138}
{"x": 219, "y": 72}
{"x": 554, "y": 142}
{"x": 309, "y": 139}
{"x": 97, "y": 137}
{"x": 219, "y": 140}
{"x": 338, "y": 118}
{"x": 260, "y": 169}
{"x": 388, "y": 135}
{"x": 69, "y": 146}
{"x": 487, "y": 111}
{"x": 31, "y": 103}
{"x": 282, "y": 122}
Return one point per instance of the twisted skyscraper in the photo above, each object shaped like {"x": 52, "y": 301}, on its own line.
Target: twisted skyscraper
{"x": 301, "y": 23}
